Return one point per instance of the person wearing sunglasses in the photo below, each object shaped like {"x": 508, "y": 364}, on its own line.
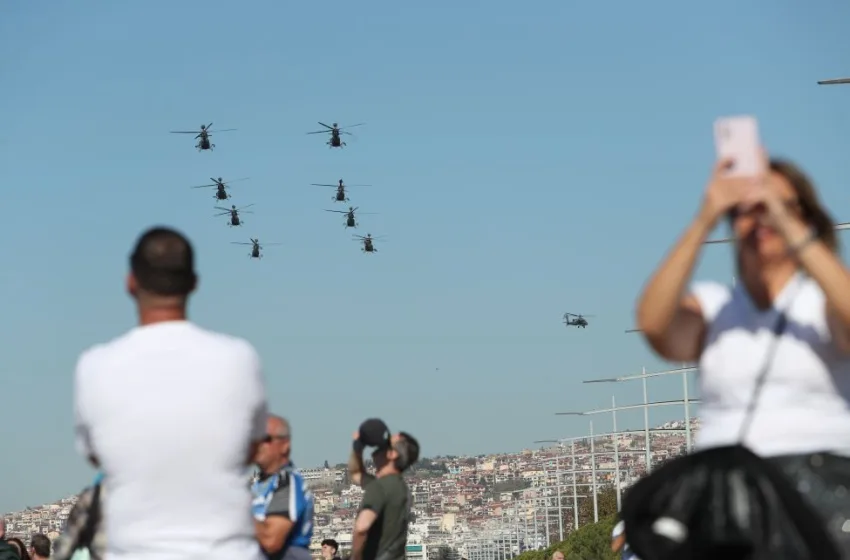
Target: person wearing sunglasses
{"x": 282, "y": 505}
{"x": 773, "y": 350}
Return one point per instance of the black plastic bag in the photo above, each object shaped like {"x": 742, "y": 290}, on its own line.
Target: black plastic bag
{"x": 723, "y": 503}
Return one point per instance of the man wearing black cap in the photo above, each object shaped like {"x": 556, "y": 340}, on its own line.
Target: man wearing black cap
{"x": 380, "y": 529}
{"x": 172, "y": 414}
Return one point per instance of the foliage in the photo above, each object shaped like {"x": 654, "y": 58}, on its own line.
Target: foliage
{"x": 592, "y": 541}
{"x": 606, "y": 498}
{"x": 510, "y": 486}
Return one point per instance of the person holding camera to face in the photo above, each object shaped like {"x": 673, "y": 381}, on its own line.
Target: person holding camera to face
{"x": 380, "y": 529}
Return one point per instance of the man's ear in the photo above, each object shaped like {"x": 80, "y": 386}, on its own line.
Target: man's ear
{"x": 132, "y": 285}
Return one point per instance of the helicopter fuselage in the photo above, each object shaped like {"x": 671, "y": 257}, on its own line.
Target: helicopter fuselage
{"x": 235, "y": 221}
{"x": 221, "y": 194}
{"x": 255, "y": 253}
{"x": 368, "y": 247}
{"x": 350, "y": 222}
{"x": 340, "y": 195}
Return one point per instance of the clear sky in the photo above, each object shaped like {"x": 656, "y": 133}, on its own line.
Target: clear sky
{"x": 527, "y": 159}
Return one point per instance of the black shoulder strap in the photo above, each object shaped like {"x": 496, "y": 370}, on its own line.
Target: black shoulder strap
{"x": 92, "y": 519}
{"x": 778, "y": 330}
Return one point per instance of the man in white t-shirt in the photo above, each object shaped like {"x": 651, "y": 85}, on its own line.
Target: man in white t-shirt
{"x": 172, "y": 414}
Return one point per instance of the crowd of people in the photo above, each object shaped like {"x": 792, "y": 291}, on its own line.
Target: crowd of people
{"x": 172, "y": 480}
{"x": 773, "y": 353}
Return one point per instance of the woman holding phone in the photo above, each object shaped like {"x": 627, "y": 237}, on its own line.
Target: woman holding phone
{"x": 787, "y": 321}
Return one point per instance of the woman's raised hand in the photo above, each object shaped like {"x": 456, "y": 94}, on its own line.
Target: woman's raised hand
{"x": 724, "y": 192}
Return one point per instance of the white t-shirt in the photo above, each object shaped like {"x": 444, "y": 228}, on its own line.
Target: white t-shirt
{"x": 170, "y": 410}
{"x": 804, "y": 405}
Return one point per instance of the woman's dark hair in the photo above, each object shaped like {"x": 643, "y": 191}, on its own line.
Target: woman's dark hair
{"x": 813, "y": 211}
{"x": 25, "y": 555}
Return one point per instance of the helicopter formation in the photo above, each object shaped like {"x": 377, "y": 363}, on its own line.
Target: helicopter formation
{"x": 222, "y": 188}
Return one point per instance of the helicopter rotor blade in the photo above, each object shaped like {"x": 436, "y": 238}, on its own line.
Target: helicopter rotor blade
{"x": 367, "y": 213}
{"x": 326, "y": 126}
{"x": 338, "y": 211}
{"x": 245, "y": 211}
{"x": 222, "y": 208}
{"x": 235, "y": 180}
{"x": 209, "y": 126}
{"x": 320, "y": 185}
{"x": 351, "y": 126}
{"x": 222, "y": 130}
{"x": 222, "y": 214}
{"x": 183, "y": 131}
{"x": 202, "y": 186}
{"x": 240, "y": 243}
{"x": 247, "y": 206}
{"x": 318, "y": 132}
{"x": 264, "y": 244}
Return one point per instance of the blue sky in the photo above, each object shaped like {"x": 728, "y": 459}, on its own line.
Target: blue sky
{"x": 526, "y": 159}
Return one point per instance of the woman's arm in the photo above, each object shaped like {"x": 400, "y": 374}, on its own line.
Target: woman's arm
{"x": 825, "y": 268}
{"x": 672, "y": 323}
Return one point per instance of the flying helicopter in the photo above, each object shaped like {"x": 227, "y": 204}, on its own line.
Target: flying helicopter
{"x": 834, "y": 82}
{"x": 203, "y": 136}
{"x": 255, "y": 247}
{"x": 234, "y": 212}
{"x": 335, "y": 131}
{"x": 350, "y": 221}
{"x": 368, "y": 242}
{"x": 220, "y": 187}
{"x": 579, "y": 320}
{"x": 340, "y": 195}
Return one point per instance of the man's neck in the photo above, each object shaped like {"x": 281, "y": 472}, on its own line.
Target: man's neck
{"x": 275, "y": 467}
{"x": 387, "y": 471}
{"x": 152, "y": 315}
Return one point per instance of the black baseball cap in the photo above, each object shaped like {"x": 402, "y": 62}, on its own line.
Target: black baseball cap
{"x": 375, "y": 433}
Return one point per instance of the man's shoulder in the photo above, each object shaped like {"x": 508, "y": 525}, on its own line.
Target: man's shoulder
{"x": 7, "y": 551}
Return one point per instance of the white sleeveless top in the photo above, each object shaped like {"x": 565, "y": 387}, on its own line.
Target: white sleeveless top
{"x": 804, "y": 405}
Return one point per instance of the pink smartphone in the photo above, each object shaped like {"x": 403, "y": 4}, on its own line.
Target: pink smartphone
{"x": 738, "y": 138}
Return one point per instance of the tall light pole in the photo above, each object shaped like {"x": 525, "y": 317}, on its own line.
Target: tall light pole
{"x": 686, "y": 400}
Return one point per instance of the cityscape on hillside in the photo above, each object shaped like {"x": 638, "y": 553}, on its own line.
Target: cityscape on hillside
{"x": 511, "y": 501}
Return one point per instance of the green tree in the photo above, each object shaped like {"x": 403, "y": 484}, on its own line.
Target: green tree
{"x": 590, "y": 542}
{"x": 606, "y": 498}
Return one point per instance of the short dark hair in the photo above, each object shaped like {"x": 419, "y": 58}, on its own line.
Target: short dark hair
{"x": 41, "y": 545}
{"x": 331, "y": 543}
{"x": 408, "y": 451}
{"x": 163, "y": 263}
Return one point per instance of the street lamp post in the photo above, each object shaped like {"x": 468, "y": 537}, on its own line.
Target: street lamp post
{"x": 643, "y": 376}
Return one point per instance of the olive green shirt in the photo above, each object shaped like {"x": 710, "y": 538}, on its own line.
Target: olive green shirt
{"x": 389, "y": 497}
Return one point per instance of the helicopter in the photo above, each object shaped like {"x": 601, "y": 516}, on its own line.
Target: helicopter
{"x": 579, "y": 320}
{"x": 340, "y": 195}
{"x": 368, "y": 242}
{"x": 255, "y": 247}
{"x": 235, "y": 220}
{"x": 203, "y": 136}
{"x": 220, "y": 187}
{"x": 350, "y": 221}
{"x": 335, "y": 130}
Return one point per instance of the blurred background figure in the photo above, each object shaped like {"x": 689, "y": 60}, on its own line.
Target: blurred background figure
{"x": 330, "y": 549}
{"x": 40, "y": 547}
